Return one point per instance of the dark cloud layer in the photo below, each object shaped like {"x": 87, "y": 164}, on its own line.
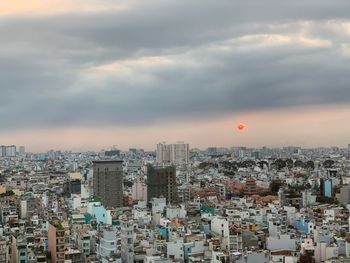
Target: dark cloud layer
{"x": 169, "y": 60}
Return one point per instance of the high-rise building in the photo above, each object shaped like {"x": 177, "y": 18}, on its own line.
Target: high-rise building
{"x": 11, "y": 151}
{"x": 178, "y": 153}
{"x": 161, "y": 182}
{"x": 56, "y": 241}
{"x": 2, "y": 151}
{"x": 7, "y": 151}
{"x": 163, "y": 153}
{"x": 21, "y": 150}
{"x": 108, "y": 182}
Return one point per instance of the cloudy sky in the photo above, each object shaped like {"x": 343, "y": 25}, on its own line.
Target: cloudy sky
{"x": 89, "y": 74}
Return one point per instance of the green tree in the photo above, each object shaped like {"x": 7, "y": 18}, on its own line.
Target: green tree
{"x": 289, "y": 163}
{"x": 128, "y": 183}
{"x": 298, "y": 163}
{"x": 309, "y": 165}
{"x": 275, "y": 186}
{"x": 8, "y": 193}
{"x": 328, "y": 163}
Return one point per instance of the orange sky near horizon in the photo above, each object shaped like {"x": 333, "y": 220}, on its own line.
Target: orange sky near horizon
{"x": 55, "y": 6}
{"x": 304, "y": 127}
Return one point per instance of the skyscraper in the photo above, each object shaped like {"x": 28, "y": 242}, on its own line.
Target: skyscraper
{"x": 108, "y": 182}
{"x": 163, "y": 153}
{"x": 7, "y": 151}
{"x": 161, "y": 181}
{"x": 11, "y": 151}
{"x": 2, "y": 151}
{"x": 173, "y": 153}
{"x": 180, "y": 153}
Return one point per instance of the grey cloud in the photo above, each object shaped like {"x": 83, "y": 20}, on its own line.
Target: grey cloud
{"x": 44, "y": 62}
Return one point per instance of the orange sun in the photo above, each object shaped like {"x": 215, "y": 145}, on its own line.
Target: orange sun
{"x": 240, "y": 127}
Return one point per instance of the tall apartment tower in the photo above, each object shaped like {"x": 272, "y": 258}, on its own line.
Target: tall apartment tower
{"x": 56, "y": 240}
{"x": 163, "y": 153}
{"x": 108, "y": 182}
{"x": 180, "y": 153}
{"x": 11, "y": 151}
{"x": 8, "y": 151}
{"x": 173, "y": 153}
{"x": 161, "y": 181}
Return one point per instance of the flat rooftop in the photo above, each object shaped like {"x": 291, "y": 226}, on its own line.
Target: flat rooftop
{"x": 108, "y": 161}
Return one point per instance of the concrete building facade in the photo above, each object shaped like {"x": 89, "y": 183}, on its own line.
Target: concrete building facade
{"x": 108, "y": 182}
{"x": 177, "y": 153}
{"x": 161, "y": 182}
{"x": 56, "y": 240}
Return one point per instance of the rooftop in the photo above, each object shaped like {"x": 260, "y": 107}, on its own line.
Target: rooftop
{"x": 108, "y": 161}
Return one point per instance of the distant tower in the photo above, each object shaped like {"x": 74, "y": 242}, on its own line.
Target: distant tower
{"x": 22, "y": 150}
{"x": 180, "y": 153}
{"x": 108, "y": 182}
{"x": 173, "y": 153}
{"x": 163, "y": 153}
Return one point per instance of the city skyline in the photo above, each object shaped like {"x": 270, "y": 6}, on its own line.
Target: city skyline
{"x": 167, "y": 131}
{"x": 85, "y": 75}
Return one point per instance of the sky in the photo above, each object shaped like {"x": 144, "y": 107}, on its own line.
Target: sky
{"x": 90, "y": 74}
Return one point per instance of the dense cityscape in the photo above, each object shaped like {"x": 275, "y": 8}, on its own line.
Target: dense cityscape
{"x": 175, "y": 204}
{"x": 174, "y": 131}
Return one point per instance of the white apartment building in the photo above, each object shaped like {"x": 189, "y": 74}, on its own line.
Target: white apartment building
{"x": 108, "y": 246}
{"x": 178, "y": 153}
